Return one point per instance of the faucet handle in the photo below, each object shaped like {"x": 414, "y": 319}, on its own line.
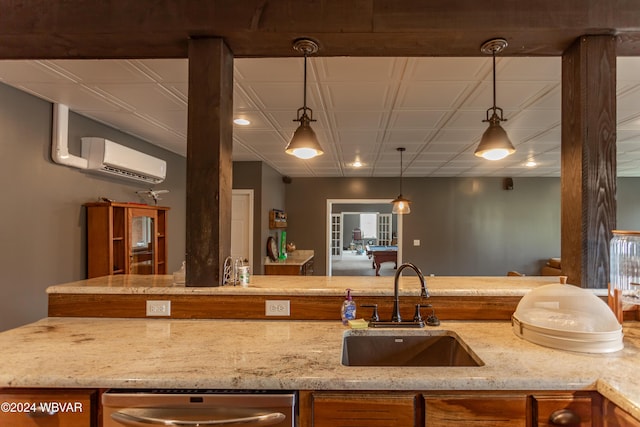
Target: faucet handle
{"x": 374, "y": 315}
{"x": 417, "y": 317}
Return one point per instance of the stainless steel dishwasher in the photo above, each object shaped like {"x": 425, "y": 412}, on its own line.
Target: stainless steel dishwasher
{"x": 222, "y": 408}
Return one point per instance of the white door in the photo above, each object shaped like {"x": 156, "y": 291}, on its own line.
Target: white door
{"x": 384, "y": 229}
{"x": 242, "y": 225}
{"x": 336, "y": 236}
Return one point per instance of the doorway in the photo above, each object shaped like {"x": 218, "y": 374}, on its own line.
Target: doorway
{"x": 242, "y": 225}
{"x": 353, "y": 227}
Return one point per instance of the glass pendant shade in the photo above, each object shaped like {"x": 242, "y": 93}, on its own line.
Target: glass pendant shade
{"x": 304, "y": 143}
{"x": 495, "y": 143}
{"x": 401, "y": 205}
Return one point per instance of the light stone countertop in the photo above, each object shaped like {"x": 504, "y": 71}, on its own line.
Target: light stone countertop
{"x": 297, "y": 355}
{"x": 313, "y": 285}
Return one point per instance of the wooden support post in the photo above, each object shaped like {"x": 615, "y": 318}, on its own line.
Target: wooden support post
{"x": 209, "y": 164}
{"x": 588, "y": 168}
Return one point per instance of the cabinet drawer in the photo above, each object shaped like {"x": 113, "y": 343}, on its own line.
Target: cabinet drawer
{"x": 364, "y": 410}
{"x": 578, "y": 405}
{"x": 476, "y": 411}
{"x": 50, "y": 408}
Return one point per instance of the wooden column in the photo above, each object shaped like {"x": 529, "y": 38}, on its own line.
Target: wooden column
{"x": 588, "y": 169}
{"x": 209, "y": 165}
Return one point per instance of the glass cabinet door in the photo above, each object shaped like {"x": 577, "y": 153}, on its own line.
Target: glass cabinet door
{"x": 142, "y": 242}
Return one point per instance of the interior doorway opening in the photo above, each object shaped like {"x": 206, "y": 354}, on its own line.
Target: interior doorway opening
{"x": 355, "y": 229}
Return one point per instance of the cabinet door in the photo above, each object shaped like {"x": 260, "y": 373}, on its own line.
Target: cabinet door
{"x": 307, "y": 268}
{"x": 614, "y": 416}
{"x": 364, "y": 409}
{"x": 143, "y": 241}
{"x": 476, "y": 411}
{"x": 51, "y": 408}
{"x": 575, "y": 410}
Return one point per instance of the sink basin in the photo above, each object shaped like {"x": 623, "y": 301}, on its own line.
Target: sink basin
{"x": 420, "y": 348}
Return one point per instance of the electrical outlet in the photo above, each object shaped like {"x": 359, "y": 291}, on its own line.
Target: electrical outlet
{"x": 158, "y": 308}
{"x": 277, "y": 308}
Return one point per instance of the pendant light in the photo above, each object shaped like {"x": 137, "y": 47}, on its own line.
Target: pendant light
{"x": 495, "y": 143}
{"x": 304, "y": 143}
{"x": 400, "y": 204}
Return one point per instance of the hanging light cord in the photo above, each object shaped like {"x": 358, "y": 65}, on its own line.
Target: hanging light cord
{"x": 304, "y": 99}
{"x": 400, "y": 172}
{"x": 305, "y": 117}
{"x": 401, "y": 150}
{"x": 494, "y": 117}
{"x": 494, "y": 80}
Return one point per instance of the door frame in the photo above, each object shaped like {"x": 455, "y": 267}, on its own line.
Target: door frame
{"x": 331, "y": 202}
{"x": 249, "y": 193}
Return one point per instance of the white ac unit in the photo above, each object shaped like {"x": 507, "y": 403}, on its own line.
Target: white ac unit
{"x": 108, "y": 157}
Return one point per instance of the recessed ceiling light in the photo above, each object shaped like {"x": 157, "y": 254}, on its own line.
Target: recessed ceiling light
{"x": 531, "y": 164}
{"x": 356, "y": 164}
{"x": 241, "y": 122}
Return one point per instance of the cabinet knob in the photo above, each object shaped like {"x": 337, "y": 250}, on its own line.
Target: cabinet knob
{"x": 564, "y": 417}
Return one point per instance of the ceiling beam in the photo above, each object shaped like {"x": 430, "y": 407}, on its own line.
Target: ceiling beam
{"x": 42, "y": 29}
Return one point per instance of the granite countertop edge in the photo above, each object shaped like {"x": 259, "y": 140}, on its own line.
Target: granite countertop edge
{"x": 312, "y": 286}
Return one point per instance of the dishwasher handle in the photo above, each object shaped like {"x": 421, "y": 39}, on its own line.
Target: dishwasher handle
{"x": 144, "y": 417}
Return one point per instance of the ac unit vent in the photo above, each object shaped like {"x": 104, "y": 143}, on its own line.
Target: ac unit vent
{"x": 114, "y": 159}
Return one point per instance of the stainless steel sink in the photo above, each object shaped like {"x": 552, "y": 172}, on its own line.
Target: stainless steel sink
{"x": 420, "y": 348}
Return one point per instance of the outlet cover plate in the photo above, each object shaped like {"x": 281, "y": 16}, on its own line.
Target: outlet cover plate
{"x": 158, "y": 308}
{"x": 277, "y": 308}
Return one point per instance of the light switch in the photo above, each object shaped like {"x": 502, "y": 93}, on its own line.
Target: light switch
{"x": 416, "y": 242}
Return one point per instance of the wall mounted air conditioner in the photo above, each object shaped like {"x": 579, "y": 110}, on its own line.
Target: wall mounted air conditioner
{"x": 108, "y": 157}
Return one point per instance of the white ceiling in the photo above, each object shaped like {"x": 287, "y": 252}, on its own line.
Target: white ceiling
{"x": 365, "y": 108}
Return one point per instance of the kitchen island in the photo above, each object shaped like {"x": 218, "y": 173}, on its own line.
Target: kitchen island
{"x": 241, "y": 348}
{"x": 296, "y": 355}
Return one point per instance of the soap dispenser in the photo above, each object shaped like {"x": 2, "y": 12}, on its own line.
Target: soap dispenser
{"x": 348, "y": 311}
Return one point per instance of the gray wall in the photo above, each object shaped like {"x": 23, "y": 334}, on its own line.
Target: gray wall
{"x": 42, "y": 231}
{"x": 628, "y": 204}
{"x": 466, "y": 226}
{"x": 268, "y": 192}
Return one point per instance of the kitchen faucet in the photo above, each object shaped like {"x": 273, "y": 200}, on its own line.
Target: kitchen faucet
{"x": 396, "y": 297}
{"x": 396, "y": 319}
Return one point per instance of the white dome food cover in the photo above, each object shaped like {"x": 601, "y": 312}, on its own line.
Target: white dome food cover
{"x": 569, "y": 318}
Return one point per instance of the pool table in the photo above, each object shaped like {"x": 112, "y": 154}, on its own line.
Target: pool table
{"x": 382, "y": 254}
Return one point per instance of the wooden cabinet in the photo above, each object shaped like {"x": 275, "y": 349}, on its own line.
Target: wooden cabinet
{"x": 307, "y": 268}
{"x": 459, "y": 408}
{"x": 48, "y": 408}
{"x": 125, "y": 238}
{"x": 476, "y": 410}
{"x": 502, "y": 409}
{"x": 580, "y": 409}
{"x": 289, "y": 269}
{"x": 81, "y": 408}
{"x": 277, "y": 219}
{"x": 361, "y": 409}
{"x": 614, "y": 416}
